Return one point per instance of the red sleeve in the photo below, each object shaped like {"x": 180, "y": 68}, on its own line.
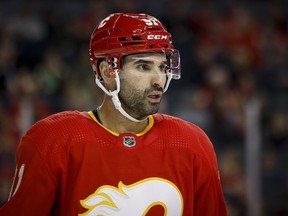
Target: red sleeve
{"x": 209, "y": 198}
{"x": 34, "y": 187}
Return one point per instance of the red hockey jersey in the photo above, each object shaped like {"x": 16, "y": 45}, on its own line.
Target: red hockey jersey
{"x": 70, "y": 164}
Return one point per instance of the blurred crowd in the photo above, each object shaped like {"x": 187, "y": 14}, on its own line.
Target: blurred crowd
{"x": 232, "y": 52}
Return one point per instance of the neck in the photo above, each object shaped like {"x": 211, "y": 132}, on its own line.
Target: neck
{"x": 115, "y": 121}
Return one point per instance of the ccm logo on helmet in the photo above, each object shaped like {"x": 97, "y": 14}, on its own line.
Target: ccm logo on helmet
{"x": 157, "y": 37}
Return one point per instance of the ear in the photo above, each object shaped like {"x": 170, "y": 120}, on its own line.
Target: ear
{"x": 107, "y": 73}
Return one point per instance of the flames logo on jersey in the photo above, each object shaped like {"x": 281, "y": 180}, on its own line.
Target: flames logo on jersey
{"x": 135, "y": 199}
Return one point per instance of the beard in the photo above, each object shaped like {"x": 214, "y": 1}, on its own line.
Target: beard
{"x": 134, "y": 101}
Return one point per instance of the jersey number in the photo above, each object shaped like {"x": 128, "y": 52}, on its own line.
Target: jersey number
{"x": 150, "y": 22}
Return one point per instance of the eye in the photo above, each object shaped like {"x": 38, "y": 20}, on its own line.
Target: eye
{"x": 143, "y": 67}
{"x": 162, "y": 67}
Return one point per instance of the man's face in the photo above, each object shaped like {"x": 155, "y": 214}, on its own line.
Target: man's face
{"x": 142, "y": 82}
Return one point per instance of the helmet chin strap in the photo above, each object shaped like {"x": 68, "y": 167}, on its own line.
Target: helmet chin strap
{"x": 118, "y": 106}
{"x": 115, "y": 98}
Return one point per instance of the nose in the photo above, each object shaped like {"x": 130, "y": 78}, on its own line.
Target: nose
{"x": 158, "y": 78}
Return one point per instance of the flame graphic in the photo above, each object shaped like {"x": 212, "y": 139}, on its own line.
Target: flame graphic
{"x": 135, "y": 199}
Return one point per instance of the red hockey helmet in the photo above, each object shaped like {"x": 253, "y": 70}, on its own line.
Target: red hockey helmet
{"x": 121, "y": 34}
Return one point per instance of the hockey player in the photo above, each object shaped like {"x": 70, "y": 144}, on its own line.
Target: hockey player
{"x": 123, "y": 158}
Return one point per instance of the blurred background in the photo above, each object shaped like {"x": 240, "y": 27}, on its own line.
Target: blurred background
{"x": 234, "y": 82}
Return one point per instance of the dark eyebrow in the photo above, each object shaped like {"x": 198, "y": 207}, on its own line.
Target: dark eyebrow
{"x": 142, "y": 61}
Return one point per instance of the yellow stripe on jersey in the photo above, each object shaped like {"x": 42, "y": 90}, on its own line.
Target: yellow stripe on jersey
{"x": 149, "y": 126}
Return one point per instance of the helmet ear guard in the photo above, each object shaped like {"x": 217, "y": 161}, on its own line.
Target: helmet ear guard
{"x": 111, "y": 72}
{"x": 95, "y": 63}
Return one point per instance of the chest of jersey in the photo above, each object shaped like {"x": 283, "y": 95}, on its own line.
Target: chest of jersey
{"x": 128, "y": 173}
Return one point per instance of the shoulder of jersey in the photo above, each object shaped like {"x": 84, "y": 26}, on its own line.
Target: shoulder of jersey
{"x": 52, "y": 135}
{"x": 183, "y": 134}
{"x": 69, "y": 116}
{"x": 66, "y": 122}
{"x": 177, "y": 124}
